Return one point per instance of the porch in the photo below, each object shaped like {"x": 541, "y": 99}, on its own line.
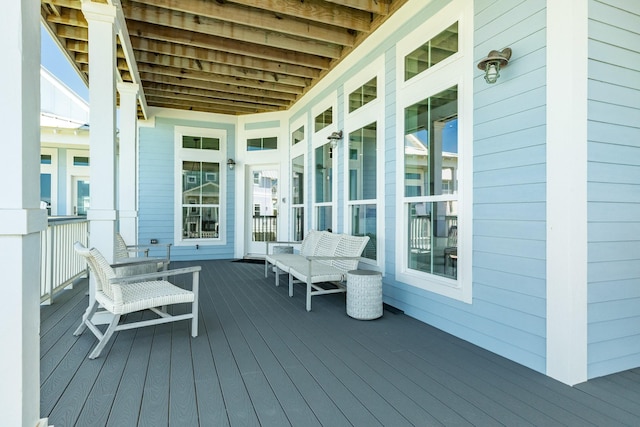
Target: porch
{"x": 262, "y": 359}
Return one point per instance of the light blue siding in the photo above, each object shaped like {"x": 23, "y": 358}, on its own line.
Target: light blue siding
{"x": 613, "y": 187}
{"x": 262, "y": 125}
{"x": 156, "y": 190}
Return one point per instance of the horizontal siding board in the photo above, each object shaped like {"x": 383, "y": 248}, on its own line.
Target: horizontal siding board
{"x": 535, "y": 249}
{"x": 614, "y": 173}
{"x": 514, "y": 158}
{"x": 510, "y": 123}
{"x": 619, "y": 35}
{"x": 614, "y": 114}
{"x": 604, "y": 212}
{"x": 614, "y": 290}
{"x": 527, "y": 136}
{"x": 619, "y": 13}
{"x": 524, "y": 312}
{"x": 609, "y": 54}
{"x": 535, "y": 268}
{"x": 518, "y": 193}
{"x": 613, "y": 231}
{"x": 514, "y": 103}
{"x": 621, "y": 347}
{"x": 613, "y": 192}
{"x": 613, "y": 270}
{"x": 612, "y": 310}
{"x": 514, "y": 282}
{"x": 607, "y": 93}
{"x": 614, "y": 74}
{"x": 622, "y": 150}
{"x": 510, "y": 212}
{"x": 614, "y": 329}
{"x": 614, "y": 251}
{"x": 510, "y": 229}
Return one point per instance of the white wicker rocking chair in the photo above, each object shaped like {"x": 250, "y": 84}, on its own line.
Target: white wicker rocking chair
{"x": 122, "y": 295}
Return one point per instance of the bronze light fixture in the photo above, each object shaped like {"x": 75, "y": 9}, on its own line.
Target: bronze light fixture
{"x": 493, "y": 62}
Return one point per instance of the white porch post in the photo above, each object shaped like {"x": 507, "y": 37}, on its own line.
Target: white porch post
{"x": 567, "y": 190}
{"x": 21, "y": 219}
{"x": 127, "y": 169}
{"x": 102, "y": 213}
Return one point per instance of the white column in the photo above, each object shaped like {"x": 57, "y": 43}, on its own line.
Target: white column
{"x": 102, "y": 213}
{"x": 567, "y": 190}
{"x": 127, "y": 165}
{"x": 21, "y": 219}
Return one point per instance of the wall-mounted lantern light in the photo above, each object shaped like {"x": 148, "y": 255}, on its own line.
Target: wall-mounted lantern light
{"x": 231, "y": 163}
{"x": 334, "y": 138}
{"x": 493, "y": 62}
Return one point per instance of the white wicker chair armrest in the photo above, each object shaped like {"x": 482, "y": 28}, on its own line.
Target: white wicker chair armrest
{"x": 156, "y": 275}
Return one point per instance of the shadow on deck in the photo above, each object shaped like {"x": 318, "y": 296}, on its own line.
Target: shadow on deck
{"x": 262, "y": 359}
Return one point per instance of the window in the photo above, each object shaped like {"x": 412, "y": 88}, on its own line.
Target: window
{"x": 200, "y": 169}
{"x": 363, "y": 186}
{"x": 432, "y": 52}
{"x": 297, "y": 135}
{"x": 324, "y": 187}
{"x": 430, "y": 159}
{"x": 324, "y": 119}
{"x": 258, "y": 144}
{"x": 297, "y": 197}
{"x": 363, "y": 95}
{"x": 45, "y": 159}
{"x": 80, "y": 161}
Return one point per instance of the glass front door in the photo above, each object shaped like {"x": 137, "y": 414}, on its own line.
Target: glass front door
{"x": 81, "y": 200}
{"x": 262, "y": 208}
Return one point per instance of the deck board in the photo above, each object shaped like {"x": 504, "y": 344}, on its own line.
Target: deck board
{"x": 261, "y": 359}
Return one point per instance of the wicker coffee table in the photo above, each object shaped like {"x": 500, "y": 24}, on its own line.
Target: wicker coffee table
{"x": 364, "y": 294}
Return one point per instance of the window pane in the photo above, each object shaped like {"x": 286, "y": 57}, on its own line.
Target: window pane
{"x": 45, "y": 159}
{"x": 324, "y": 119}
{"x": 191, "y": 176}
{"x": 362, "y": 163}
{"x": 270, "y": 143}
{"x": 323, "y": 174}
{"x": 431, "y": 145}
{"x": 297, "y": 135}
{"x": 429, "y": 54}
{"x": 210, "y": 222}
{"x": 254, "y": 144}
{"x": 324, "y": 218}
{"x": 363, "y": 223}
{"x": 80, "y": 161}
{"x": 433, "y": 239}
{"x": 363, "y": 95}
{"x": 210, "y": 188}
{"x": 45, "y": 188}
{"x": 210, "y": 143}
{"x": 298, "y": 223}
{"x": 297, "y": 180}
{"x": 190, "y": 141}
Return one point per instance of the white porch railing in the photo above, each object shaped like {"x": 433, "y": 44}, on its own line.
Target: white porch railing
{"x": 59, "y": 264}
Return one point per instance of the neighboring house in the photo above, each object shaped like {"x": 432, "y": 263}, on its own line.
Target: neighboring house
{"x": 64, "y": 157}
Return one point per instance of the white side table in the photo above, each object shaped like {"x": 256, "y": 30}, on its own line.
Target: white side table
{"x": 364, "y": 294}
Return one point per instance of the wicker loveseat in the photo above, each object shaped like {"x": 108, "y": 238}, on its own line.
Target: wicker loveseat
{"x": 324, "y": 258}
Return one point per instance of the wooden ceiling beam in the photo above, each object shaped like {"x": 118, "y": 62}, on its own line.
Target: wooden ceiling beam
{"x": 205, "y": 41}
{"x": 216, "y": 78}
{"x": 266, "y": 20}
{"x": 378, "y": 7}
{"x": 153, "y": 88}
{"x": 208, "y": 67}
{"x": 214, "y": 27}
{"x": 220, "y": 87}
{"x": 196, "y": 106}
{"x": 172, "y": 49}
{"x": 179, "y": 99}
{"x": 337, "y": 14}
{"x": 70, "y": 17}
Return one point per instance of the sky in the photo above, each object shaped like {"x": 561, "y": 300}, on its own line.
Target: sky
{"x": 54, "y": 60}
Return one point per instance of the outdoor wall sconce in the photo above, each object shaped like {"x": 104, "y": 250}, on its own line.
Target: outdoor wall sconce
{"x": 334, "y": 138}
{"x": 231, "y": 163}
{"x": 493, "y": 62}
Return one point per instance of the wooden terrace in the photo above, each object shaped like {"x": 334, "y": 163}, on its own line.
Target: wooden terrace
{"x": 262, "y": 360}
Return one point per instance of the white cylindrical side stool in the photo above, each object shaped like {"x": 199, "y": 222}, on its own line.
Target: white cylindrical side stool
{"x": 282, "y": 250}
{"x": 364, "y": 294}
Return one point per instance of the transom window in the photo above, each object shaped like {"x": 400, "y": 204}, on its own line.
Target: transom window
{"x": 363, "y": 95}
{"x": 324, "y": 119}
{"x": 200, "y": 143}
{"x": 297, "y": 135}
{"x": 258, "y": 144}
{"x": 432, "y": 52}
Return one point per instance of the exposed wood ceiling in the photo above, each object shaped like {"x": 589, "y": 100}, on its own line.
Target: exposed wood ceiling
{"x": 224, "y": 56}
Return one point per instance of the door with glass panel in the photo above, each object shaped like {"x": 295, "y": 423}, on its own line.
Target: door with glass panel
{"x": 80, "y": 198}
{"x": 262, "y": 208}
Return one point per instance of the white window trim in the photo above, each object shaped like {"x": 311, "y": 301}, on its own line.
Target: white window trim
{"x": 319, "y": 139}
{"x": 75, "y": 171}
{"x": 52, "y": 170}
{"x": 210, "y": 156}
{"x": 455, "y": 70}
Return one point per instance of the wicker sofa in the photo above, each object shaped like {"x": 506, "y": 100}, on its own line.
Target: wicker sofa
{"x": 323, "y": 258}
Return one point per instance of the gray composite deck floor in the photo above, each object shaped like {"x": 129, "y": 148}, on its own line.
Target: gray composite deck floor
{"x": 262, "y": 359}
